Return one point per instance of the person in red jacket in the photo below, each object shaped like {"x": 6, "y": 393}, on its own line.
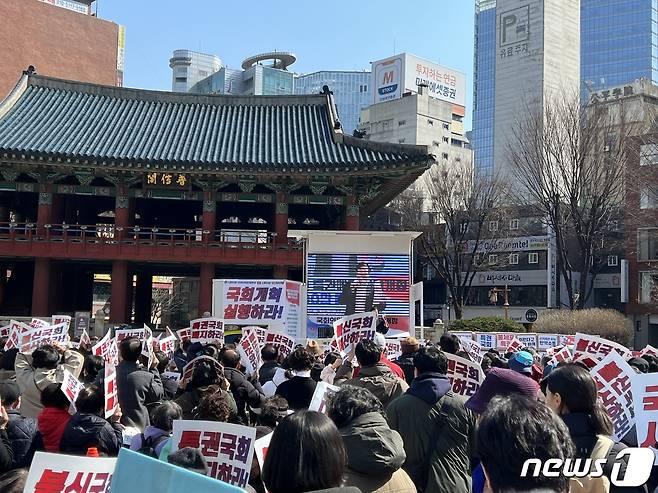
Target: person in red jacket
{"x": 53, "y": 418}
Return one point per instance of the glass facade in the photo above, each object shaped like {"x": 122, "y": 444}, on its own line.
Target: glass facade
{"x": 618, "y": 42}
{"x": 189, "y": 67}
{"x": 277, "y": 82}
{"x": 351, "y": 93}
{"x": 483, "y": 87}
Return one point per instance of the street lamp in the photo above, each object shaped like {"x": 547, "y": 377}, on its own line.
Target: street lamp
{"x": 449, "y": 302}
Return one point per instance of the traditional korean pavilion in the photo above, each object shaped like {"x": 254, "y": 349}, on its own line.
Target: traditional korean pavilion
{"x": 133, "y": 182}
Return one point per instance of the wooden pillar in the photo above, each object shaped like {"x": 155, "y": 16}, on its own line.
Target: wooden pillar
{"x": 41, "y": 287}
{"x": 119, "y": 296}
{"x": 45, "y": 210}
{"x": 143, "y": 297}
{"x": 281, "y": 218}
{"x": 206, "y": 275}
{"x": 209, "y": 214}
{"x": 351, "y": 213}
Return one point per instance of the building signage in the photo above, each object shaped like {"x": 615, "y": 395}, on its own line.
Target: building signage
{"x": 510, "y": 278}
{"x": 603, "y": 281}
{"x": 514, "y": 31}
{"x": 393, "y": 76}
{"x": 164, "y": 180}
{"x": 522, "y": 243}
{"x": 80, "y": 7}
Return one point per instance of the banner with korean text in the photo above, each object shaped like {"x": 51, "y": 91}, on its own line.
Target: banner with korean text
{"x": 590, "y": 350}
{"x": 466, "y": 376}
{"x": 319, "y": 400}
{"x": 351, "y": 329}
{"x": 645, "y": 402}
{"x": 249, "y": 349}
{"x": 227, "y": 448}
{"x": 66, "y": 473}
{"x": 207, "y": 330}
{"x": 276, "y": 303}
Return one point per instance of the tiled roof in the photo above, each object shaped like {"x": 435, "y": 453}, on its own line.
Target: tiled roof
{"x": 52, "y": 119}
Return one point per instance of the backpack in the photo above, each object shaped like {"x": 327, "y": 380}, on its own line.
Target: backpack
{"x": 589, "y": 484}
{"x": 148, "y": 445}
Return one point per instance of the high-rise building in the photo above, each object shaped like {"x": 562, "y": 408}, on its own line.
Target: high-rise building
{"x": 616, "y": 48}
{"x": 351, "y": 92}
{"x": 255, "y": 79}
{"x": 537, "y": 56}
{"x": 618, "y": 41}
{"x": 60, "y": 39}
{"x": 189, "y": 67}
{"x": 484, "y": 72}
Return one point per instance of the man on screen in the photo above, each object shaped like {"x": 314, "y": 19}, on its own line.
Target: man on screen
{"x": 363, "y": 294}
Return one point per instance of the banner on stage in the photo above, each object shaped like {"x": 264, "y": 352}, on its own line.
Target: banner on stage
{"x": 351, "y": 329}
{"x": 466, "y": 376}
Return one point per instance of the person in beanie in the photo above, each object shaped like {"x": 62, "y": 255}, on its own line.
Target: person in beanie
{"x": 20, "y": 431}
{"x": 435, "y": 427}
{"x": 409, "y": 347}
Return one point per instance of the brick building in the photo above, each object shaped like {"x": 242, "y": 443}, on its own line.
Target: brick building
{"x": 58, "y": 42}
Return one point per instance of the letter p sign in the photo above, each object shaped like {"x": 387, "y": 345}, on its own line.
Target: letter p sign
{"x": 514, "y": 26}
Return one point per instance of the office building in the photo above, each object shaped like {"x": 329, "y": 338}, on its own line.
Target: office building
{"x": 351, "y": 92}
{"x": 618, "y": 41}
{"x": 189, "y": 67}
{"x": 265, "y": 74}
{"x": 59, "y": 39}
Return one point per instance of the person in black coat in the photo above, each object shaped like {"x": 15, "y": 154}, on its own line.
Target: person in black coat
{"x": 245, "y": 391}
{"x": 6, "y": 452}
{"x": 298, "y": 391}
{"x": 88, "y": 429}
{"x": 137, "y": 387}
{"x": 20, "y": 431}
{"x": 270, "y": 356}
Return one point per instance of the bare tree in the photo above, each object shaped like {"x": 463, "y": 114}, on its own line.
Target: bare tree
{"x": 569, "y": 162}
{"x": 164, "y": 302}
{"x": 454, "y": 210}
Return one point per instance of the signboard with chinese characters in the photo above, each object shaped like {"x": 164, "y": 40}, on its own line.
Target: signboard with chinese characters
{"x": 166, "y": 180}
{"x": 393, "y": 76}
{"x": 272, "y": 302}
{"x": 227, "y": 448}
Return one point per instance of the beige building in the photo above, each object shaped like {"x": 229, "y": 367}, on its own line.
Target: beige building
{"x": 419, "y": 119}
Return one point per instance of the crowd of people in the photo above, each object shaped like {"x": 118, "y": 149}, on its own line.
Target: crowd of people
{"x": 392, "y": 426}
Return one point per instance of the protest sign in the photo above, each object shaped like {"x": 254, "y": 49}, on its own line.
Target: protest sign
{"x": 85, "y": 339}
{"x": 227, "y": 448}
{"x": 35, "y": 323}
{"x": 474, "y": 350}
{"x": 188, "y": 369}
{"x": 5, "y": 330}
{"x": 260, "y": 446}
{"x": 590, "y": 350}
{"x": 249, "y": 349}
{"x": 546, "y": 341}
{"x": 319, "y": 400}
{"x": 613, "y": 378}
{"x": 282, "y": 341}
{"x": 261, "y": 332}
{"x": 171, "y": 375}
{"x": 566, "y": 340}
{"x": 39, "y": 336}
{"x": 486, "y": 340}
{"x": 58, "y": 473}
{"x": 645, "y": 403}
{"x": 71, "y": 386}
{"x": 393, "y": 348}
{"x": 167, "y": 345}
{"x": 183, "y": 334}
{"x": 121, "y": 334}
{"x": 528, "y": 340}
{"x": 58, "y": 319}
{"x": 110, "y": 387}
{"x": 353, "y": 328}
{"x": 464, "y": 336}
{"x": 16, "y": 329}
{"x": 207, "y": 330}
{"x": 563, "y": 354}
{"x": 514, "y": 346}
{"x": 504, "y": 339}
{"x": 272, "y": 302}
{"x": 648, "y": 349}
{"x": 138, "y": 472}
{"x": 465, "y": 376}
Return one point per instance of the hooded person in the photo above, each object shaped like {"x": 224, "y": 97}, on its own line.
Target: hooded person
{"x": 375, "y": 452}
{"x": 435, "y": 427}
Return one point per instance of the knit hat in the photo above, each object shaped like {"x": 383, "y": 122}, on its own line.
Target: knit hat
{"x": 521, "y": 362}
{"x": 501, "y": 381}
